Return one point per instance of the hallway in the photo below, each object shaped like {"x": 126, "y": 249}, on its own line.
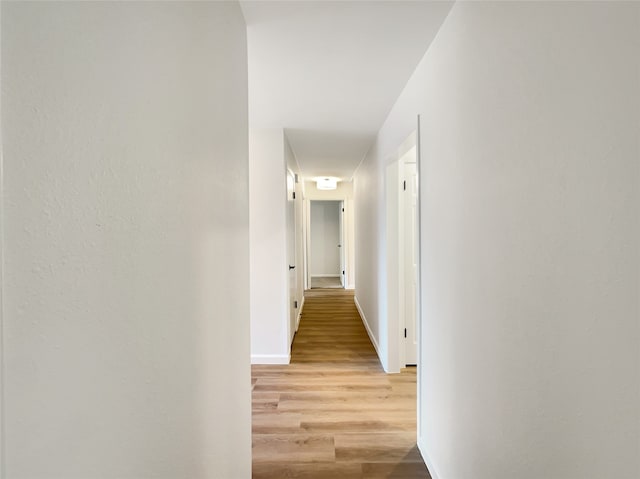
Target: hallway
{"x": 333, "y": 412}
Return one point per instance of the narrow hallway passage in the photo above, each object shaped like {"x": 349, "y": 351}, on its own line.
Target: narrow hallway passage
{"x": 333, "y": 412}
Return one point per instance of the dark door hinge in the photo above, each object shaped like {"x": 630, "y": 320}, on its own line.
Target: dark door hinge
{"x": 405, "y": 332}
{"x": 294, "y": 195}
{"x": 404, "y": 185}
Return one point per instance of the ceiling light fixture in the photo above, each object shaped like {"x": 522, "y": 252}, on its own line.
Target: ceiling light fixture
{"x": 326, "y": 183}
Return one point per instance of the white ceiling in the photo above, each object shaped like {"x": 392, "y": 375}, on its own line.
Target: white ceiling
{"x": 329, "y": 72}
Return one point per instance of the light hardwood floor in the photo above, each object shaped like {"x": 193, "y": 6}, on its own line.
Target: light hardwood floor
{"x": 333, "y": 412}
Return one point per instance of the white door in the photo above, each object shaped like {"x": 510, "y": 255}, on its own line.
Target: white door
{"x": 410, "y": 261}
{"x": 291, "y": 252}
{"x": 341, "y": 245}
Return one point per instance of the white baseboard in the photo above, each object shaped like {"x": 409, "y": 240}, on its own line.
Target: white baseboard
{"x": 427, "y": 460}
{"x": 366, "y": 326}
{"x": 337, "y": 275}
{"x": 270, "y": 358}
{"x": 299, "y": 316}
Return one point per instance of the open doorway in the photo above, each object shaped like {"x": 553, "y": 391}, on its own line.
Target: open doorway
{"x": 408, "y": 256}
{"x": 326, "y": 239}
{"x": 401, "y": 191}
{"x": 292, "y": 255}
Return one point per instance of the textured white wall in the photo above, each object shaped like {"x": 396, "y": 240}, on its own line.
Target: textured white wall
{"x": 530, "y": 204}
{"x": 269, "y": 263}
{"x": 325, "y": 238}
{"x": 125, "y": 191}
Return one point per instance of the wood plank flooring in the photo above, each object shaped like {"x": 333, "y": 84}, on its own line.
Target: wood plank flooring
{"x": 333, "y": 412}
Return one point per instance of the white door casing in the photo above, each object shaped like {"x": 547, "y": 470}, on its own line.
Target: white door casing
{"x": 291, "y": 254}
{"x": 410, "y": 258}
{"x": 402, "y": 251}
{"x": 342, "y": 241}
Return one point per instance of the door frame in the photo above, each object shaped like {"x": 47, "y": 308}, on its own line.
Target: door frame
{"x": 291, "y": 253}
{"x": 395, "y": 255}
{"x": 342, "y": 239}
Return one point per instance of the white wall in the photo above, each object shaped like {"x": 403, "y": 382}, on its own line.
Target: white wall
{"x": 125, "y": 233}
{"x": 530, "y": 210}
{"x": 269, "y": 262}
{"x": 325, "y": 238}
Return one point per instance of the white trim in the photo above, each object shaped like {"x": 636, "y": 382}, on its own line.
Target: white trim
{"x": 299, "y": 313}
{"x": 342, "y": 233}
{"x": 2, "y": 313}
{"x": 270, "y": 358}
{"x": 419, "y": 395}
{"x": 331, "y": 275}
{"x": 391, "y": 335}
{"x": 306, "y": 233}
{"x": 349, "y": 244}
{"x": 395, "y": 204}
{"x": 366, "y": 326}
{"x": 427, "y": 460}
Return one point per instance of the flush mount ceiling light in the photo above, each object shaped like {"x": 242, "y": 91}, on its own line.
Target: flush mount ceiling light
{"x": 326, "y": 183}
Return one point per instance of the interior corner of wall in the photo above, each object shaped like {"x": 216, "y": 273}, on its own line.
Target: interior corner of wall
{"x": 422, "y": 448}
